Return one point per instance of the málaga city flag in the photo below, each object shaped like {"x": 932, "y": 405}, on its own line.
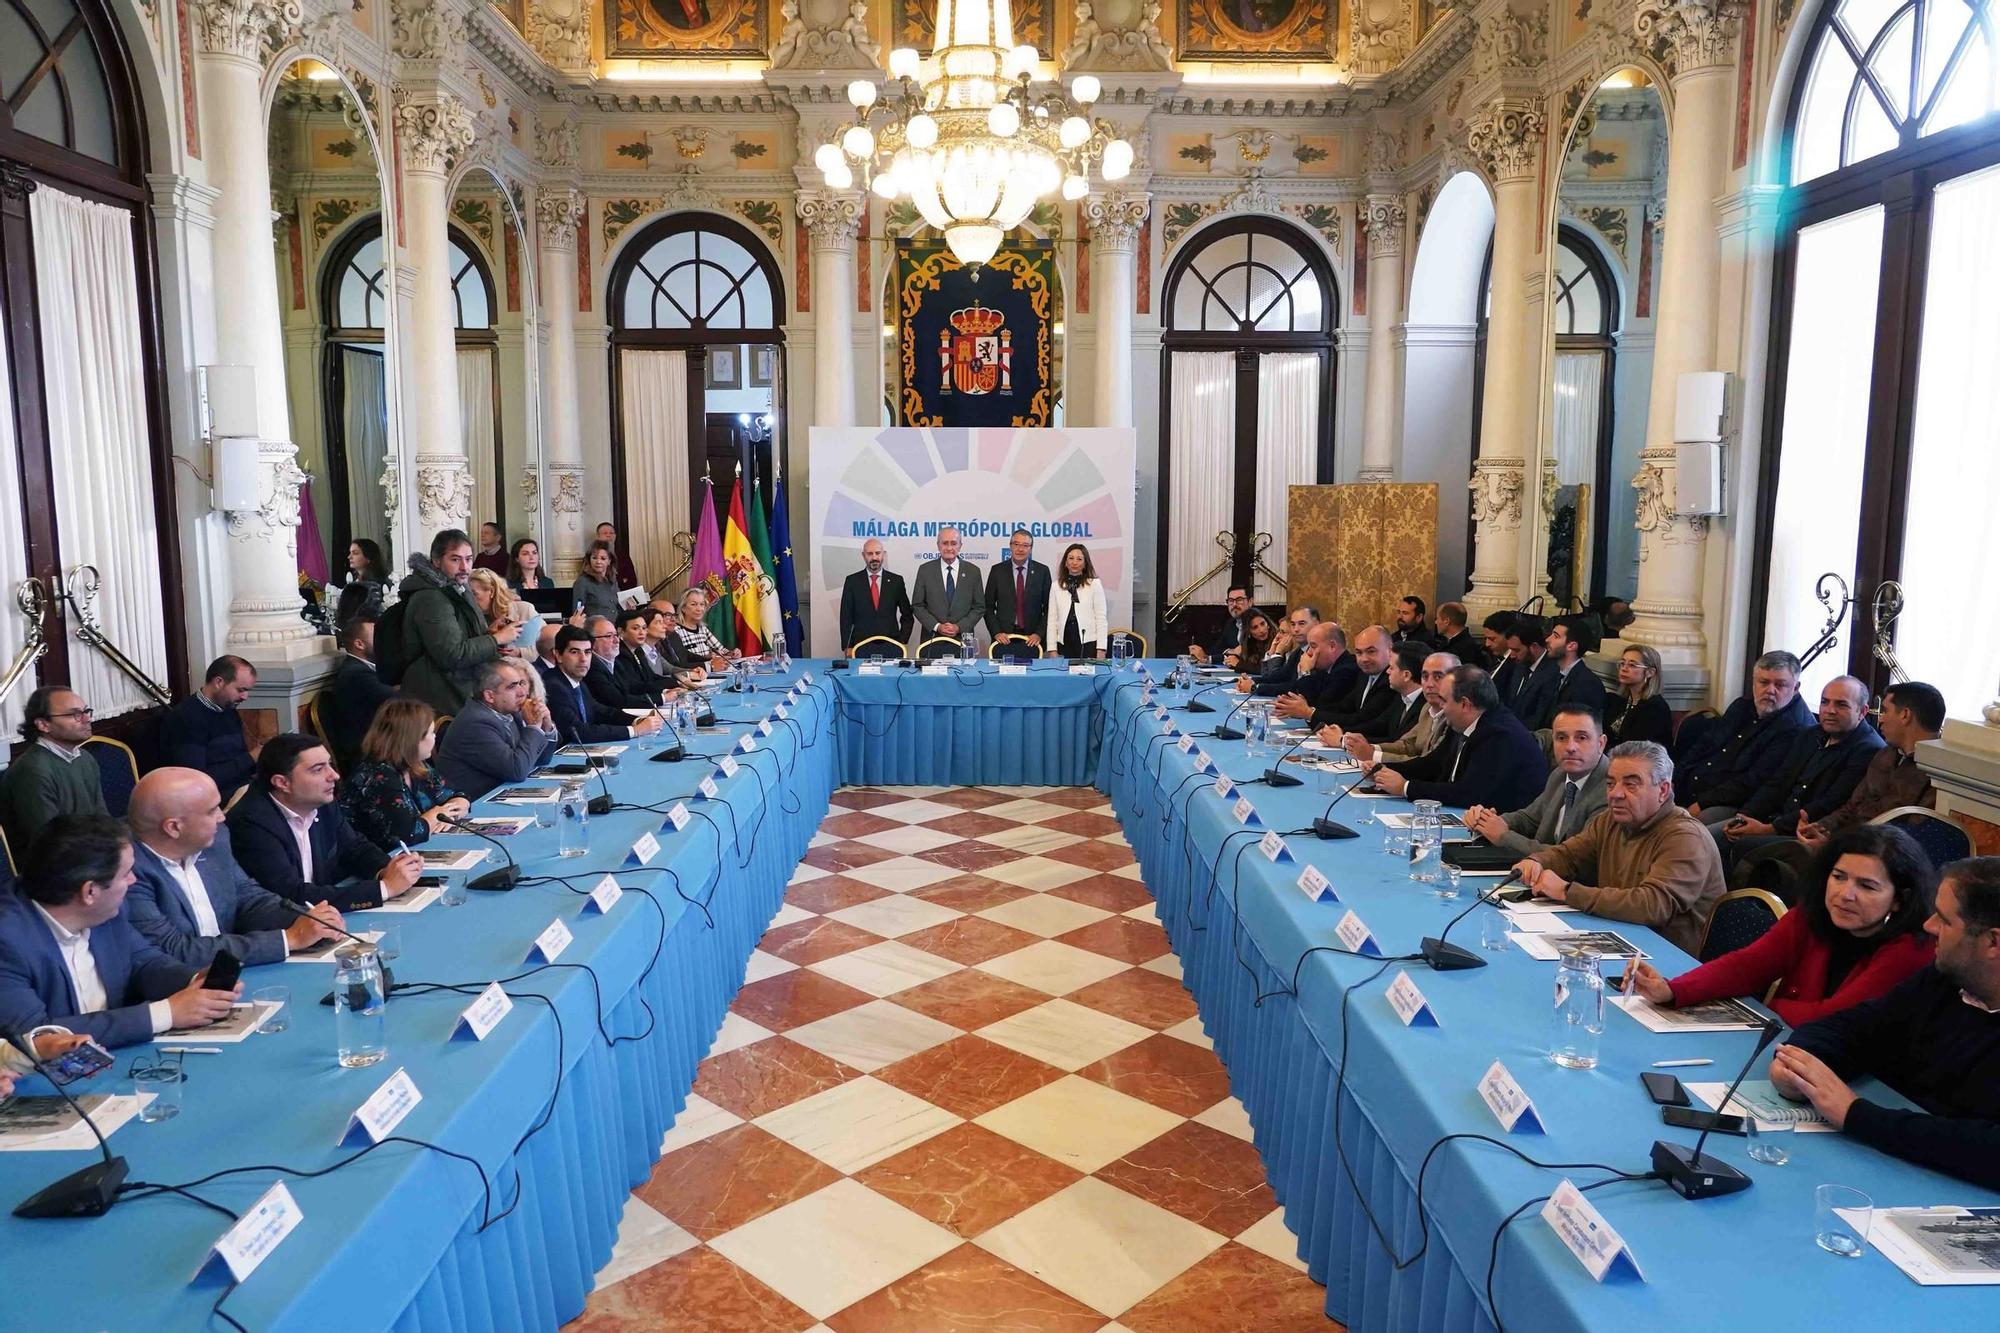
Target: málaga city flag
{"x": 743, "y": 575}
{"x": 770, "y": 615}
{"x": 707, "y": 571}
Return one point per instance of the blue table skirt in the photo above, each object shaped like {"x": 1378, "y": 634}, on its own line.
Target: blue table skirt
{"x": 971, "y": 728}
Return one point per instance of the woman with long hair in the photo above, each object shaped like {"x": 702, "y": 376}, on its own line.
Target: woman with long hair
{"x": 596, "y": 589}
{"x": 365, "y": 563}
{"x": 1248, "y": 657}
{"x": 393, "y": 795}
{"x": 1636, "y": 711}
{"x": 1856, "y": 934}
{"x": 524, "y": 566}
{"x": 1076, "y": 606}
{"x": 509, "y": 619}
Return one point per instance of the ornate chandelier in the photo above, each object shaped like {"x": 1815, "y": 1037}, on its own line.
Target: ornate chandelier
{"x": 970, "y": 141}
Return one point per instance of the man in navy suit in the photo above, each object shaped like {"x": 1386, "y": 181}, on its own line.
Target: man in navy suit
{"x": 1534, "y": 684}
{"x": 189, "y": 897}
{"x": 348, "y": 700}
{"x": 580, "y": 717}
{"x": 289, "y": 833}
{"x": 68, "y": 956}
{"x": 1569, "y": 638}
{"x": 1490, "y": 759}
{"x": 1017, "y": 597}
{"x": 497, "y": 738}
{"x": 874, "y": 604}
{"x": 1327, "y": 671}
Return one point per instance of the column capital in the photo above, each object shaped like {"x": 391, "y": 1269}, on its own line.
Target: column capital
{"x": 1116, "y": 217}
{"x": 1496, "y": 487}
{"x": 426, "y": 29}
{"x": 833, "y": 217}
{"x": 1506, "y": 137}
{"x": 566, "y": 488}
{"x": 1697, "y": 34}
{"x": 560, "y": 212}
{"x": 1382, "y": 217}
{"x": 433, "y": 132}
{"x": 444, "y": 490}
{"x": 242, "y": 28}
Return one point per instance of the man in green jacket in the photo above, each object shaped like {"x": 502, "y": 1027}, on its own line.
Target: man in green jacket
{"x": 445, "y": 639}
{"x": 54, "y": 775}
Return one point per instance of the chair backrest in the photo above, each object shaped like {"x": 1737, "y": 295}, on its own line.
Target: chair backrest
{"x": 1010, "y": 647}
{"x": 942, "y": 645}
{"x": 874, "y": 646}
{"x": 1941, "y": 838}
{"x": 117, "y": 772}
{"x": 309, "y": 716}
{"x": 1739, "y": 919}
{"x": 234, "y": 797}
{"x": 8, "y": 848}
{"x": 1689, "y": 732}
{"x": 1133, "y": 639}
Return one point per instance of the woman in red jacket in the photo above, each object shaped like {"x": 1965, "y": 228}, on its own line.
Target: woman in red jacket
{"x": 1853, "y": 941}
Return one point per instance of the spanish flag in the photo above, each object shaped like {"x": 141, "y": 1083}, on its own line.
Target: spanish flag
{"x": 745, "y": 576}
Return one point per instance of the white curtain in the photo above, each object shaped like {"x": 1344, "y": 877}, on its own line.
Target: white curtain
{"x": 1951, "y": 546}
{"x": 1579, "y": 410}
{"x": 364, "y": 416}
{"x": 653, "y": 389}
{"x": 1287, "y": 451}
{"x": 94, "y": 377}
{"x": 1203, "y": 454}
{"x": 1816, "y": 522}
{"x": 13, "y": 554}
{"x": 475, "y": 413}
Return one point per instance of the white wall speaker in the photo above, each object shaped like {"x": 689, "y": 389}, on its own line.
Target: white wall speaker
{"x": 1701, "y": 405}
{"x": 1698, "y": 477}
{"x": 228, "y": 401}
{"x": 235, "y": 487}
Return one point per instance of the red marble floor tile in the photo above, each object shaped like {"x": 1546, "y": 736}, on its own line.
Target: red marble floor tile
{"x": 970, "y": 939}
{"x": 818, "y": 938}
{"x": 969, "y": 999}
{"x": 1094, "y": 855}
{"x": 969, "y": 1076}
{"x": 1083, "y": 824}
{"x": 1172, "y": 1074}
{"x": 696, "y": 1292}
{"x": 847, "y": 855}
{"x": 865, "y": 798}
{"x": 731, "y": 1178}
{"x": 1113, "y": 893}
{"x": 1203, "y": 1174}
{"x": 968, "y": 1179}
{"x": 758, "y": 1078}
{"x": 1077, "y": 798}
{"x": 1211, "y": 1298}
{"x": 971, "y": 798}
{"x": 1114, "y": 937}
{"x": 793, "y": 999}
{"x": 830, "y": 893}
{"x": 970, "y": 893}
{"x": 855, "y": 823}
{"x": 971, "y": 823}
{"x": 967, "y": 1291}
{"x": 970, "y": 856}
{"x": 1139, "y": 996}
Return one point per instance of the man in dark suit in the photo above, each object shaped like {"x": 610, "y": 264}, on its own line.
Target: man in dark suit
{"x": 1237, "y": 600}
{"x": 602, "y": 678}
{"x": 348, "y": 700}
{"x": 1403, "y": 680}
{"x": 949, "y": 599}
{"x": 1738, "y": 752}
{"x": 1326, "y": 671}
{"x": 190, "y": 897}
{"x": 1281, "y": 659}
{"x": 1490, "y": 759}
{"x": 1453, "y": 637}
{"x": 289, "y": 832}
{"x": 1411, "y": 626}
{"x": 1371, "y": 700}
{"x": 69, "y": 957}
{"x": 580, "y": 716}
{"x": 631, "y": 674}
{"x": 1820, "y": 771}
{"x": 874, "y": 604}
{"x": 1569, "y": 638}
{"x": 1535, "y": 678}
{"x": 205, "y": 731}
{"x": 499, "y": 737}
{"x": 1017, "y": 597}
{"x": 1493, "y": 652}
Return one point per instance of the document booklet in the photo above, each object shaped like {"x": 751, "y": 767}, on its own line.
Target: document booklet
{"x": 1604, "y": 943}
{"x": 1757, "y": 1097}
{"x": 1940, "y": 1247}
{"x": 451, "y": 858}
{"x": 1713, "y": 1016}
{"x": 529, "y": 795}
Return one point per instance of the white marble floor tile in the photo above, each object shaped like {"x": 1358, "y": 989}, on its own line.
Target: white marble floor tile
{"x": 897, "y": 914}
{"x": 828, "y": 1250}
{"x": 737, "y": 1032}
{"x": 1027, "y": 811}
{"x": 910, "y": 839}
{"x": 1145, "y": 912}
{"x": 645, "y": 1237}
{"x": 1074, "y": 1120}
{"x": 763, "y": 965}
{"x": 805, "y": 874}
{"x": 885, "y": 968}
{"x": 1271, "y": 1236}
{"x": 1228, "y": 1116}
{"x": 1042, "y": 913}
{"x": 901, "y": 874}
{"x": 1102, "y": 1246}
{"x": 859, "y": 1123}
{"x": 789, "y": 913}
{"x": 1167, "y": 965}
{"x": 699, "y": 1119}
{"x": 1029, "y": 839}
{"x": 1068, "y": 1036}
{"x": 872, "y": 1035}
{"x": 1191, "y": 1031}
{"x": 1130, "y": 872}
{"x": 1038, "y": 873}
{"x": 915, "y": 812}
{"x": 1053, "y": 967}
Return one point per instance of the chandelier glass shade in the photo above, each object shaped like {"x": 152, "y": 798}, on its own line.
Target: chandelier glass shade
{"x": 970, "y": 140}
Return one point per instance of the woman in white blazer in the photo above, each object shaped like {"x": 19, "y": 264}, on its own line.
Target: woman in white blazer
{"x": 1076, "y": 607}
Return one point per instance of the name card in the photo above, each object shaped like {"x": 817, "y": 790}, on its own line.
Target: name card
{"x": 1245, "y": 814}
{"x": 764, "y": 728}
{"x": 1082, "y": 669}
{"x": 868, "y": 669}
{"x": 607, "y": 892}
{"x": 937, "y": 667}
{"x": 1013, "y": 668}
{"x": 548, "y": 945}
{"x": 679, "y": 816}
{"x": 707, "y": 788}
{"x": 1355, "y": 936}
{"x": 781, "y": 713}
{"x": 250, "y": 1241}
{"x": 643, "y": 851}
{"x": 1224, "y": 787}
{"x": 1315, "y": 886}
{"x": 483, "y": 1014}
{"x": 378, "y": 1117}
{"x": 1185, "y": 743}
{"x": 745, "y": 745}
{"x": 806, "y": 679}
{"x": 1272, "y": 844}
{"x": 1160, "y": 712}
{"x": 1409, "y": 1003}
{"x": 1594, "y": 1241}
{"x": 1202, "y": 763}
{"x": 728, "y": 766}
{"x": 1508, "y": 1103}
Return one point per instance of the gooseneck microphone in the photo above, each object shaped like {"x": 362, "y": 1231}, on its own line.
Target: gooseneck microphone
{"x": 493, "y": 881}
{"x": 675, "y": 753}
{"x": 1275, "y": 776}
{"x": 86, "y": 1193}
{"x": 1326, "y": 829}
{"x": 300, "y": 910}
{"x": 1194, "y": 703}
{"x": 1442, "y": 957}
{"x": 1687, "y": 1171}
{"x": 1223, "y": 731}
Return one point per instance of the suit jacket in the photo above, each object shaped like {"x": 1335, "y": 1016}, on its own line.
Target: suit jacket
{"x": 1738, "y": 754}
{"x": 634, "y": 676}
{"x": 604, "y": 687}
{"x": 35, "y": 987}
{"x": 345, "y": 864}
{"x": 1465, "y": 648}
{"x": 1533, "y": 826}
{"x": 1280, "y": 674}
{"x": 1322, "y": 684}
{"x": 1000, "y": 618}
{"x": 861, "y": 619}
{"x": 1499, "y": 765}
{"x": 579, "y": 716}
{"x": 1392, "y": 723}
{"x": 1506, "y": 676}
{"x": 1580, "y": 686}
{"x": 1816, "y": 778}
{"x": 193, "y": 735}
{"x": 347, "y": 704}
{"x": 1421, "y": 634}
{"x": 483, "y": 749}
{"x": 1371, "y": 703}
{"x": 1230, "y": 636}
{"x": 1536, "y": 694}
{"x": 252, "y": 919}
{"x": 1420, "y": 738}
{"x": 928, "y": 604}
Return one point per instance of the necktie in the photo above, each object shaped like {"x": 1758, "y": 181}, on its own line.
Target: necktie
{"x": 950, "y": 586}
{"x": 875, "y": 590}
{"x": 1020, "y": 596}
{"x": 1367, "y": 684}
{"x": 1562, "y": 817}
{"x": 1458, "y": 753}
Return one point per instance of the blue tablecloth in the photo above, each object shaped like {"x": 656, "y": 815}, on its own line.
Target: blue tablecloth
{"x": 971, "y": 726}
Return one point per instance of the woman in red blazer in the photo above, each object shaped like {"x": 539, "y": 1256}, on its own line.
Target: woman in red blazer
{"x": 1856, "y": 939}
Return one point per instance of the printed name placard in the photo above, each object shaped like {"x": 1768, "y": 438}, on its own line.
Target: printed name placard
{"x": 1224, "y": 787}
{"x": 868, "y": 669}
{"x": 1202, "y": 763}
{"x": 250, "y": 1241}
{"x": 1186, "y": 743}
{"x": 1355, "y": 936}
{"x": 1508, "y": 1103}
{"x": 807, "y": 679}
{"x": 1245, "y": 814}
{"x": 1272, "y": 844}
{"x": 745, "y": 744}
{"x": 781, "y": 713}
{"x": 548, "y": 945}
{"x": 605, "y": 894}
{"x": 1082, "y": 669}
{"x": 1409, "y": 1003}
{"x": 1315, "y": 886}
{"x": 378, "y": 1117}
{"x": 483, "y": 1014}
{"x": 728, "y": 766}
{"x": 1160, "y": 712}
{"x": 707, "y": 788}
{"x": 643, "y": 851}
{"x": 679, "y": 816}
{"x": 1013, "y": 668}
{"x": 764, "y": 728}
{"x": 937, "y": 666}
{"x": 1594, "y": 1241}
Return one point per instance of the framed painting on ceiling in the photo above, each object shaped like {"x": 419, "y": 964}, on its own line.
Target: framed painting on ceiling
{"x": 1257, "y": 29}
{"x": 685, "y": 29}
{"x": 914, "y": 24}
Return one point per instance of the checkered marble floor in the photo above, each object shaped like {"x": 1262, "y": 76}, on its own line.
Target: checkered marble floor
{"x": 962, "y": 1088}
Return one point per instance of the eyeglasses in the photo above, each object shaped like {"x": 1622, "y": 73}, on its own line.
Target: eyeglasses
{"x": 74, "y": 712}
{"x": 595, "y": 637}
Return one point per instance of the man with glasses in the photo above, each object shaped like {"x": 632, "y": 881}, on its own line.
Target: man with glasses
{"x": 499, "y": 737}
{"x": 54, "y": 775}
{"x": 1238, "y": 602}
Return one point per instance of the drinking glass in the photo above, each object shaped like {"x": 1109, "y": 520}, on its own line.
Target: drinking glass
{"x": 1763, "y": 1145}
{"x": 453, "y": 893}
{"x": 390, "y": 947}
{"x": 163, "y": 1084}
{"x": 1446, "y": 882}
{"x": 1493, "y": 928}
{"x": 1836, "y": 1234}
{"x": 280, "y": 1017}
{"x": 965, "y": 649}
{"x": 573, "y": 826}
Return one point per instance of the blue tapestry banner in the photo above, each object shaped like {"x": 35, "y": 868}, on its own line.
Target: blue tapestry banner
{"x": 976, "y": 344}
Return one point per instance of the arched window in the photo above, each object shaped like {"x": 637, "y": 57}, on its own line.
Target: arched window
{"x": 697, "y": 279}
{"x": 62, "y": 81}
{"x": 1883, "y": 417}
{"x": 360, "y": 297}
{"x": 1246, "y": 408}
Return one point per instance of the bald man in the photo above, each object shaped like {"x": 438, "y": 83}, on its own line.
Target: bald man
{"x": 1820, "y": 771}
{"x": 188, "y": 895}
{"x": 873, "y": 604}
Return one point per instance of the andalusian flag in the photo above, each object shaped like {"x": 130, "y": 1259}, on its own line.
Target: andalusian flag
{"x": 770, "y": 616}
{"x": 708, "y": 572}
{"x": 741, "y": 561}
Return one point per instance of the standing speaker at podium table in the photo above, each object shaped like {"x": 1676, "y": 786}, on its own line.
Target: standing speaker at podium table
{"x": 1017, "y": 597}
{"x": 874, "y": 603}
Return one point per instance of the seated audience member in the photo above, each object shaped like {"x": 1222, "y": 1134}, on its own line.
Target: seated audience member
{"x": 1912, "y": 713}
{"x": 1489, "y": 759}
{"x": 1737, "y": 753}
{"x": 663, "y": 616}
{"x": 1642, "y": 859}
{"x": 498, "y": 738}
{"x": 1569, "y": 638}
{"x": 204, "y": 730}
{"x": 1411, "y": 627}
{"x": 1326, "y": 671}
{"x": 524, "y": 568}
{"x": 1618, "y": 616}
{"x": 875, "y": 604}
{"x": 1405, "y": 679}
{"x": 632, "y": 670}
{"x": 492, "y": 553}
{"x": 1575, "y": 789}
{"x": 1856, "y": 939}
{"x": 1237, "y": 601}
{"x": 602, "y": 678}
{"x": 1079, "y": 625}
{"x": 1425, "y": 734}
{"x": 445, "y": 637}
{"x": 1247, "y": 657}
{"x": 348, "y": 700}
{"x": 1281, "y": 659}
{"x": 1372, "y": 703}
{"x": 595, "y": 592}
{"x": 54, "y": 774}
{"x": 1821, "y": 769}
{"x": 46, "y": 1044}
{"x": 692, "y": 643}
{"x": 1017, "y": 598}
{"x": 621, "y": 564}
{"x": 578, "y": 714}
{"x": 393, "y": 796}
{"x": 1935, "y": 1039}
{"x": 1452, "y": 636}
{"x": 290, "y": 833}
{"x": 1636, "y": 710}
{"x": 189, "y": 898}
{"x": 70, "y": 958}
{"x": 545, "y": 649}
{"x": 1493, "y": 643}
{"x": 1536, "y": 676}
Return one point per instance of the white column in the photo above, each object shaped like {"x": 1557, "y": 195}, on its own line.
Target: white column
{"x": 560, "y": 212}
{"x": 1115, "y": 221}
{"x": 1385, "y": 216}
{"x": 1701, "y": 40}
{"x": 431, "y": 134}
{"x": 249, "y": 331}
{"x": 1507, "y": 137}
{"x": 834, "y": 220}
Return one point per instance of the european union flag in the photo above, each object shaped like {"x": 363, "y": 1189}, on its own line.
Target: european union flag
{"x": 781, "y": 556}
